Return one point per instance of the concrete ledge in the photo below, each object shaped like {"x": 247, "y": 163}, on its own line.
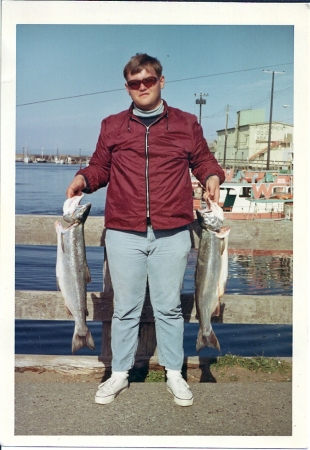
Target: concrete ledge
{"x": 85, "y": 365}
{"x": 49, "y": 305}
{"x": 245, "y": 234}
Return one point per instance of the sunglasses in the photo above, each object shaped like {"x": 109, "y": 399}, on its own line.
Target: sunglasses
{"x": 148, "y": 83}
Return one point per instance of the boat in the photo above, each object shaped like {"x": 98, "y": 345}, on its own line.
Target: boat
{"x": 253, "y": 195}
{"x": 27, "y": 159}
{"x": 41, "y": 160}
{"x": 71, "y": 160}
{"x": 58, "y": 160}
{"x": 255, "y": 200}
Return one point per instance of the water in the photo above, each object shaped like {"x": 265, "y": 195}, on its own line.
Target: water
{"x": 43, "y": 337}
{"x": 247, "y": 274}
{"x": 40, "y": 189}
{"x": 40, "y": 274}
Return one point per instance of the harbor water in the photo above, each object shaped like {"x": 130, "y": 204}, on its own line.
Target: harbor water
{"x": 40, "y": 189}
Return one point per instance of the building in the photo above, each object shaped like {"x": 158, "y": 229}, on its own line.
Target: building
{"x": 248, "y": 141}
{"x": 212, "y": 147}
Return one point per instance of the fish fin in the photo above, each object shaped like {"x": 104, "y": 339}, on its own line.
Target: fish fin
{"x": 223, "y": 246}
{"x": 88, "y": 277}
{"x": 68, "y": 311}
{"x": 223, "y": 232}
{"x": 224, "y": 267}
{"x": 222, "y": 282}
{"x": 60, "y": 230}
{"x": 217, "y": 310}
{"x": 82, "y": 341}
{"x": 89, "y": 340}
{"x": 224, "y": 241}
{"x": 57, "y": 283}
{"x": 221, "y": 288}
{"x": 62, "y": 243}
{"x": 209, "y": 340}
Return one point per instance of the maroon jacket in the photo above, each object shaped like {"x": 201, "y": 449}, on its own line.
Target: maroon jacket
{"x": 147, "y": 169}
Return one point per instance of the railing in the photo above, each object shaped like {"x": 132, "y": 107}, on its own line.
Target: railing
{"x": 245, "y": 236}
{"x": 257, "y": 164}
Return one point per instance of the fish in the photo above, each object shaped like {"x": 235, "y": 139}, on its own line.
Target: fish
{"x": 211, "y": 272}
{"x": 72, "y": 271}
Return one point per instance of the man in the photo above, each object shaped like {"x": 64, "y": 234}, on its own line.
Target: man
{"x": 144, "y": 154}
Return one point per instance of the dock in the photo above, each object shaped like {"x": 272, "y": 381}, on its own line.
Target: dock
{"x": 147, "y": 409}
{"x": 246, "y": 236}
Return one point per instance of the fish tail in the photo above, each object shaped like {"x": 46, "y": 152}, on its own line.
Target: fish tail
{"x": 207, "y": 340}
{"x": 82, "y": 341}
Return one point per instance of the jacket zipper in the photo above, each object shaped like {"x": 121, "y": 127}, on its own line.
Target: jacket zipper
{"x": 147, "y": 164}
{"x": 147, "y": 172}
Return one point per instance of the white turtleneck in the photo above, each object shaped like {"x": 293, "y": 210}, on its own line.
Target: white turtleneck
{"x": 154, "y": 112}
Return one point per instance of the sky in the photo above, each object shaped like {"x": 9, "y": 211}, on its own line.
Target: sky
{"x": 70, "y": 77}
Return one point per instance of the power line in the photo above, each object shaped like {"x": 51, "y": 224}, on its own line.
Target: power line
{"x": 284, "y": 89}
{"x": 225, "y": 73}
{"x": 172, "y": 81}
{"x": 262, "y": 101}
{"x": 71, "y": 96}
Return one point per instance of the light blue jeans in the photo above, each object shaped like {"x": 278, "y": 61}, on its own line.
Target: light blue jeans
{"x": 159, "y": 257}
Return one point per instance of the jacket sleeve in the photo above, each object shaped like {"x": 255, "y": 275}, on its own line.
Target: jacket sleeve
{"x": 97, "y": 173}
{"x": 202, "y": 162}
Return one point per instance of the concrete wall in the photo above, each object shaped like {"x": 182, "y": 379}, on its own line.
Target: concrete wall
{"x": 245, "y": 234}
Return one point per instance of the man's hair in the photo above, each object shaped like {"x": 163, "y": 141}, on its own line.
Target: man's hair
{"x": 142, "y": 61}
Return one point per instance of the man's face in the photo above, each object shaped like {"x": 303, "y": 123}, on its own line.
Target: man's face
{"x": 145, "y": 98}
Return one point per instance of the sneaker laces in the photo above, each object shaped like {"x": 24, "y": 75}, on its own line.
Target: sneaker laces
{"x": 181, "y": 384}
{"x": 108, "y": 385}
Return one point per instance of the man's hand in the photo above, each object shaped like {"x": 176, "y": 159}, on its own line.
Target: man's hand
{"x": 212, "y": 189}
{"x": 77, "y": 185}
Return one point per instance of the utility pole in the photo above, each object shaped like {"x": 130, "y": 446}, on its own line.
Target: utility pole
{"x": 201, "y": 101}
{"x": 225, "y": 143}
{"x": 270, "y": 115}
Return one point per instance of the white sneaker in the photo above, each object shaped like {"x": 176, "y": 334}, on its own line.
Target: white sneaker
{"x": 178, "y": 387}
{"x": 108, "y": 390}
